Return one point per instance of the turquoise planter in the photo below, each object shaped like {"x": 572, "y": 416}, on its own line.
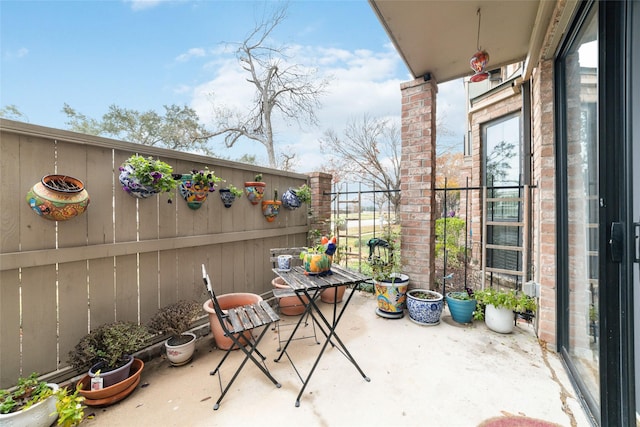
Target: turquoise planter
{"x": 461, "y": 310}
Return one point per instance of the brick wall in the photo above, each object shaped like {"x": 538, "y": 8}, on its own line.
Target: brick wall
{"x": 417, "y": 176}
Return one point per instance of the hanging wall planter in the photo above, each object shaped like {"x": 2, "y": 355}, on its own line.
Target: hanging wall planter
{"x": 229, "y": 195}
{"x": 195, "y": 187}
{"x": 255, "y": 189}
{"x": 271, "y": 208}
{"x": 58, "y": 197}
{"x": 142, "y": 177}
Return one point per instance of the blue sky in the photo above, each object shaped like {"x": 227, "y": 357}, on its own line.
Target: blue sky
{"x": 145, "y": 54}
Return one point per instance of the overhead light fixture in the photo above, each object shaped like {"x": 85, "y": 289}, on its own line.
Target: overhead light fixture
{"x": 479, "y": 60}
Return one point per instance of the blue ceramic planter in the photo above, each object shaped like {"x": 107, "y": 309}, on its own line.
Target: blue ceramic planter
{"x": 425, "y": 311}
{"x": 461, "y": 310}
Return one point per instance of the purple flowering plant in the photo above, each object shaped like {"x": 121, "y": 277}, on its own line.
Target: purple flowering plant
{"x": 150, "y": 172}
{"x": 204, "y": 178}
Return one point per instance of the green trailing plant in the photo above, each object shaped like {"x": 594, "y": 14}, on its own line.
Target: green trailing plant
{"x": 69, "y": 407}
{"x": 109, "y": 343}
{"x": 303, "y": 193}
{"x": 258, "y": 178}
{"x": 151, "y": 172}
{"x": 175, "y": 319}
{"x": 234, "y": 190}
{"x": 512, "y": 300}
{"x": 27, "y": 392}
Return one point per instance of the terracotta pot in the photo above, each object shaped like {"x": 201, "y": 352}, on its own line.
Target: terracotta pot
{"x": 329, "y": 295}
{"x": 114, "y": 393}
{"x": 254, "y": 191}
{"x": 227, "y": 301}
{"x": 58, "y": 197}
{"x": 181, "y": 354}
{"x": 289, "y": 306}
{"x": 271, "y": 209}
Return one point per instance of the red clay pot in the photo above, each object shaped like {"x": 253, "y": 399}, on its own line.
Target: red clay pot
{"x": 114, "y": 393}
{"x": 227, "y": 301}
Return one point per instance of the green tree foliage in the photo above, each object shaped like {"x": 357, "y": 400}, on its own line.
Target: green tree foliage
{"x": 179, "y": 128}
{"x": 12, "y": 112}
{"x": 450, "y": 242}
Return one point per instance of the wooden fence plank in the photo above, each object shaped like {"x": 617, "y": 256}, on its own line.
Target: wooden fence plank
{"x": 102, "y": 296}
{"x": 13, "y": 202}
{"x": 148, "y": 286}
{"x": 39, "y": 320}
{"x": 101, "y": 193}
{"x": 73, "y": 306}
{"x": 127, "y": 288}
{"x": 9, "y": 327}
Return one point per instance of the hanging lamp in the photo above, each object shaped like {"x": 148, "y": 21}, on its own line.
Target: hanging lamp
{"x": 479, "y": 60}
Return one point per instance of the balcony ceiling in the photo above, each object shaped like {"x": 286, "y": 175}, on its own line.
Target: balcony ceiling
{"x": 439, "y": 37}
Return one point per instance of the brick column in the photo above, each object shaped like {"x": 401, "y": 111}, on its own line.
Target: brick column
{"x": 320, "y": 184}
{"x": 544, "y": 206}
{"x": 417, "y": 181}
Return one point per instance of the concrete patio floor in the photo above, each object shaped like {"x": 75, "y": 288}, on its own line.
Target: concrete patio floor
{"x": 444, "y": 375}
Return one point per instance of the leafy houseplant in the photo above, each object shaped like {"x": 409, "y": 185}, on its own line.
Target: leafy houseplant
{"x": 498, "y": 308}
{"x": 35, "y": 403}
{"x": 109, "y": 347}
{"x": 142, "y": 177}
{"x": 175, "y": 320}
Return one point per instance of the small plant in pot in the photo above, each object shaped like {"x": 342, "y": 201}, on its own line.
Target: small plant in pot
{"x": 143, "y": 177}
{"x": 195, "y": 186}
{"x": 107, "y": 352}
{"x": 229, "y": 194}
{"x": 425, "y": 306}
{"x": 271, "y": 208}
{"x": 174, "y": 320}
{"x": 293, "y": 198}
{"x": 386, "y": 269}
{"x": 36, "y": 403}
{"x": 498, "y": 308}
{"x": 255, "y": 189}
{"x": 462, "y": 305}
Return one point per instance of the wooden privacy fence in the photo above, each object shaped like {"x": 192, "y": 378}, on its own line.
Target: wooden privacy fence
{"x": 123, "y": 258}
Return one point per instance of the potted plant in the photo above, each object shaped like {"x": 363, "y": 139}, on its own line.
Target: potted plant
{"x": 424, "y": 306}
{"x": 293, "y": 198}
{"x": 271, "y": 208}
{"x": 195, "y": 186}
{"x": 389, "y": 283}
{"x": 229, "y": 195}
{"x": 107, "y": 352}
{"x": 35, "y": 403}
{"x": 174, "y": 320}
{"x": 30, "y": 403}
{"x": 461, "y": 305}
{"x": 498, "y": 308}
{"x": 255, "y": 189}
{"x": 142, "y": 177}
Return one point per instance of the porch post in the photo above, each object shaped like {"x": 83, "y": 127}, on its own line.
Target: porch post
{"x": 320, "y": 184}
{"x": 417, "y": 181}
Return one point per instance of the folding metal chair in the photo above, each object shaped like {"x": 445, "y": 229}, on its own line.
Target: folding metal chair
{"x": 289, "y": 303}
{"x": 236, "y": 321}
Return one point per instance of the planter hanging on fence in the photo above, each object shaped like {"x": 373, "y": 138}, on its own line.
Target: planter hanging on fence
{"x": 58, "y": 197}
{"x": 255, "y": 191}
{"x": 194, "y": 192}
{"x": 271, "y": 209}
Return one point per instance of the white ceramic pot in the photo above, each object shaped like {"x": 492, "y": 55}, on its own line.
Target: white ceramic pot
{"x": 181, "y": 354}
{"x": 42, "y": 414}
{"x": 500, "y": 320}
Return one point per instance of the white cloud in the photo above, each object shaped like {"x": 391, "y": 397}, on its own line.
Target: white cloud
{"x": 143, "y": 4}
{"x": 196, "y": 52}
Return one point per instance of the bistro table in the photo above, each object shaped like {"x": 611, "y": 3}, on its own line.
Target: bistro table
{"x": 310, "y": 286}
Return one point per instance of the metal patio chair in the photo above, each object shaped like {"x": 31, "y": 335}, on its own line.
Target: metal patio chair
{"x": 235, "y": 322}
